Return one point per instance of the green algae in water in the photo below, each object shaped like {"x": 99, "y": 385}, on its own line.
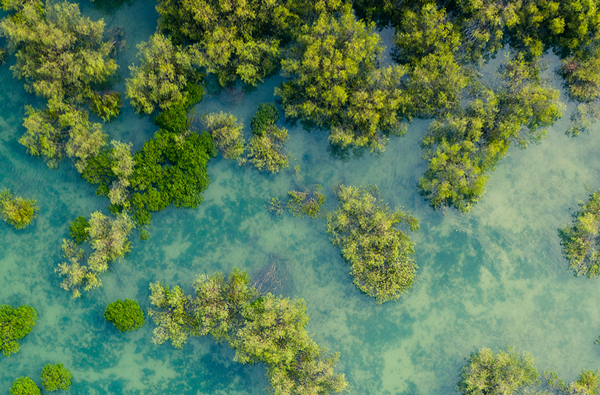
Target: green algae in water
{"x": 492, "y": 277}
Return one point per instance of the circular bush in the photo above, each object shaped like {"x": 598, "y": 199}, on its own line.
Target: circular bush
{"x": 266, "y": 115}
{"x": 126, "y": 315}
{"x": 24, "y": 386}
{"x": 56, "y": 377}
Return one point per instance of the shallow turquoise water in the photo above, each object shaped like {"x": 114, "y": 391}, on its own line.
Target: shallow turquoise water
{"x": 492, "y": 277}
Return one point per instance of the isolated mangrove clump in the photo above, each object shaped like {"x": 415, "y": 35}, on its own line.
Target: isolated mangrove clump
{"x": 56, "y": 377}
{"x": 15, "y": 323}
{"x": 126, "y": 315}
{"x": 381, "y": 257}
{"x": 17, "y": 211}
{"x": 580, "y": 241}
{"x": 261, "y": 328}
{"x": 109, "y": 241}
{"x": 24, "y": 386}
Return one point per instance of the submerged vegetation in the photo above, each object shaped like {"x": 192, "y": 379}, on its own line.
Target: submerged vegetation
{"x": 108, "y": 241}
{"x": 15, "y": 323}
{"x": 580, "y": 240}
{"x": 509, "y": 372}
{"x": 307, "y": 202}
{"x": 17, "y": 211}
{"x": 261, "y": 328}
{"x": 381, "y": 257}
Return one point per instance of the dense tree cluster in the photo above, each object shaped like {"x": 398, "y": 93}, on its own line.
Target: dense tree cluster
{"x": 443, "y": 44}
{"x": 581, "y": 240}
{"x": 463, "y": 147}
{"x": 62, "y": 56}
{"x": 381, "y": 257}
{"x": 510, "y": 373}
{"x": 62, "y": 130}
{"x": 56, "y": 377}
{"x": 169, "y": 169}
{"x": 17, "y": 211}
{"x": 261, "y": 328}
{"x": 108, "y": 241}
{"x": 165, "y": 76}
{"x": 265, "y": 148}
{"x": 126, "y": 315}
{"x": 335, "y": 82}
{"x": 504, "y": 373}
{"x": 236, "y": 39}
{"x": 15, "y": 323}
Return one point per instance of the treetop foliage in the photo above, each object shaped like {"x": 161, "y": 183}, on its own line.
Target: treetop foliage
{"x": 15, "y": 323}
{"x": 56, "y": 377}
{"x": 24, "y": 386}
{"x": 580, "y": 241}
{"x": 161, "y": 78}
{"x": 126, "y": 315}
{"x": 17, "y": 211}
{"x": 60, "y": 53}
{"x": 503, "y": 373}
{"x": 335, "y": 82}
{"x": 108, "y": 240}
{"x": 381, "y": 257}
{"x": 261, "y": 328}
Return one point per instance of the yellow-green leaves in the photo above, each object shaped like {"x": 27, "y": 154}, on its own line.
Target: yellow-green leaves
{"x": 335, "y": 82}
{"x": 580, "y": 240}
{"x": 17, "y": 211}
{"x": 160, "y": 80}
{"x": 381, "y": 257}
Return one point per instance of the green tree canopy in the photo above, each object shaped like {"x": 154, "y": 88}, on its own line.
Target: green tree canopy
{"x": 24, "y": 386}
{"x": 60, "y": 53}
{"x": 126, "y": 315}
{"x": 238, "y": 39}
{"x": 169, "y": 169}
{"x": 56, "y": 377}
{"x": 504, "y": 373}
{"x": 381, "y": 257}
{"x": 335, "y": 82}
{"x": 62, "y": 130}
{"x": 462, "y": 147}
{"x": 109, "y": 241}
{"x": 227, "y": 133}
{"x": 264, "y": 329}
{"x": 580, "y": 241}
{"x": 15, "y": 323}
{"x": 17, "y": 211}
{"x": 165, "y": 73}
